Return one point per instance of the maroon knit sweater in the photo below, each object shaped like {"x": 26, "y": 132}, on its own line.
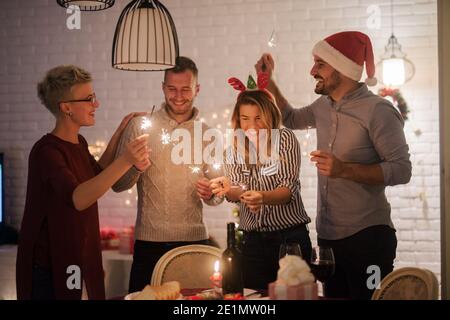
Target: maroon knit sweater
{"x": 54, "y": 234}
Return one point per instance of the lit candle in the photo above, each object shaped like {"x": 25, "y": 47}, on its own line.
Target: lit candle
{"x": 216, "y": 277}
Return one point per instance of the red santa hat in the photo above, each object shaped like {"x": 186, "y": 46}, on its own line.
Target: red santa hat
{"x": 346, "y": 52}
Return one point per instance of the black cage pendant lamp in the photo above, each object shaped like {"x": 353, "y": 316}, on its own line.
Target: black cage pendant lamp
{"x": 87, "y": 5}
{"x": 145, "y": 38}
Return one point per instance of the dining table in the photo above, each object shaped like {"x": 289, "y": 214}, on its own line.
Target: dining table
{"x": 249, "y": 294}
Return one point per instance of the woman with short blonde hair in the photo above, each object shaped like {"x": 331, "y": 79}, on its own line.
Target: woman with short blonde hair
{"x": 59, "y": 245}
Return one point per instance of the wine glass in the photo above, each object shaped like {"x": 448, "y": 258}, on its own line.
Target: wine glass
{"x": 322, "y": 263}
{"x": 290, "y": 248}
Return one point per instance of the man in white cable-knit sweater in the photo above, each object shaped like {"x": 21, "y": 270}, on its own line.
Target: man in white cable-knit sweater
{"x": 169, "y": 194}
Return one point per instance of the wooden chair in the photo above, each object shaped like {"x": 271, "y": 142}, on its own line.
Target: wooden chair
{"x": 191, "y": 265}
{"x": 408, "y": 284}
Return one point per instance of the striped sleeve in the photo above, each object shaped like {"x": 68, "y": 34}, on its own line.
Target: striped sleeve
{"x": 234, "y": 173}
{"x": 233, "y": 170}
{"x": 290, "y": 158}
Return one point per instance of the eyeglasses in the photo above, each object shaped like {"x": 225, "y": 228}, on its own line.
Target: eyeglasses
{"x": 92, "y": 100}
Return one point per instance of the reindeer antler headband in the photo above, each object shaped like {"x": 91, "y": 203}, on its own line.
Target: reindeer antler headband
{"x": 261, "y": 84}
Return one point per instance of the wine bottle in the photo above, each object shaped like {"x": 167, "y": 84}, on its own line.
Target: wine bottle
{"x": 232, "y": 281}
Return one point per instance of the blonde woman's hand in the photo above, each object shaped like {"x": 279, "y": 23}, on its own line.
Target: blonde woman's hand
{"x": 143, "y": 165}
{"x": 123, "y": 124}
{"x": 220, "y": 186}
{"x": 253, "y": 200}
{"x": 137, "y": 153}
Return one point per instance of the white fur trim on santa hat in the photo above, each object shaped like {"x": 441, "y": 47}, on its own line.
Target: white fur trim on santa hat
{"x": 337, "y": 60}
{"x": 371, "y": 82}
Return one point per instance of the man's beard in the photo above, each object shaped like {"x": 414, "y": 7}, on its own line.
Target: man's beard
{"x": 333, "y": 82}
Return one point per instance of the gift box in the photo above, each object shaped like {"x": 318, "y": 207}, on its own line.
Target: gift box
{"x": 279, "y": 291}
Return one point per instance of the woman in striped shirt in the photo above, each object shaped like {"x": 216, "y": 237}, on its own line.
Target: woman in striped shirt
{"x": 262, "y": 175}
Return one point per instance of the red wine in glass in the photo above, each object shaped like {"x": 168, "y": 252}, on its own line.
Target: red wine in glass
{"x": 322, "y": 263}
{"x": 322, "y": 269}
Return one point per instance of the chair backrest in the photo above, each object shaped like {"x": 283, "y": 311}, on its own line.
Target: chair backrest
{"x": 408, "y": 284}
{"x": 191, "y": 265}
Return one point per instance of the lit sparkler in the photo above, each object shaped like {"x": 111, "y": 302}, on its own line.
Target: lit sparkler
{"x": 165, "y": 137}
{"x": 216, "y": 167}
{"x": 272, "y": 41}
{"x": 195, "y": 169}
{"x": 147, "y": 122}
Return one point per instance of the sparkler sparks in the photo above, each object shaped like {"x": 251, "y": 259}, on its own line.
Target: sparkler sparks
{"x": 215, "y": 167}
{"x": 195, "y": 169}
{"x": 146, "y": 122}
{"x": 272, "y": 41}
{"x": 165, "y": 137}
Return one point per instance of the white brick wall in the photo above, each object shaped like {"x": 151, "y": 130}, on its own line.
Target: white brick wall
{"x": 225, "y": 38}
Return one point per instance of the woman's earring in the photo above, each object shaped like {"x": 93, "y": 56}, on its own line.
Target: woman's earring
{"x": 70, "y": 113}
